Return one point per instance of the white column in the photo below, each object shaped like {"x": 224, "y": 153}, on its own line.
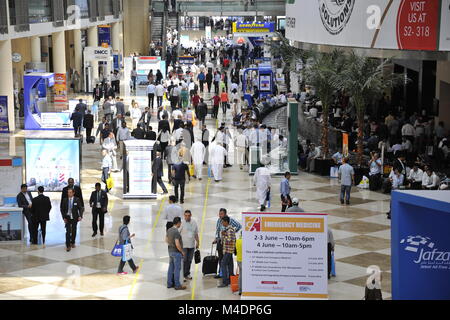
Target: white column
{"x": 78, "y": 50}
{"x": 115, "y": 30}
{"x": 35, "y": 49}
{"x": 93, "y": 42}
{"x": 59, "y": 52}
{"x": 7, "y": 83}
{"x": 121, "y": 37}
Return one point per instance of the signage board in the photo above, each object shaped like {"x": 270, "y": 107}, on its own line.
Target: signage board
{"x": 4, "y": 127}
{"x": 284, "y": 256}
{"x": 380, "y": 24}
{"x": 253, "y": 27}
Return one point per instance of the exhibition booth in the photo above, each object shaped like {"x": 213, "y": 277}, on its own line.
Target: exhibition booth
{"x": 143, "y": 67}
{"x": 104, "y": 58}
{"x": 40, "y": 110}
{"x": 262, "y": 78}
{"x": 137, "y": 169}
{"x": 420, "y": 245}
{"x": 50, "y": 162}
{"x": 11, "y": 218}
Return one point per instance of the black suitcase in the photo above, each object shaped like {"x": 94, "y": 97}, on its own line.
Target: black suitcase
{"x": 90, "y": 139}
{"x": 210, "y": 264}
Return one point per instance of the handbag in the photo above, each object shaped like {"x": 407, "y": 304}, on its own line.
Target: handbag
{"x": 110, "y": 183}
{"x": 191, "y": 170}
{"x": 117, "y": 250}
{"x": 197, "y": 257}
{"x": 126, "y": 251}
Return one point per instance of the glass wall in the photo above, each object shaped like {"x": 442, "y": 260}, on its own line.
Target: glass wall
{"x": 108, "y": 7}
{"x": 84, "y": 8}
{"x": 40, "y": 11}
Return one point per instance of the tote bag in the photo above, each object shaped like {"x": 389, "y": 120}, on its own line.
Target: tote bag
{"x": 117, "y": 250}
{"x": 126, "y": 251}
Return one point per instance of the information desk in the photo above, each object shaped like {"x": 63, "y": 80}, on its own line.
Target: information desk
{"x": 420, "y": 244}
{"x": 11, "y": 224}
{"x": 137, "y": 169}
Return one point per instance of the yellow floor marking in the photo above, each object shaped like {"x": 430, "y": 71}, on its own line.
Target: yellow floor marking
{"x": 141, "y": 262}
{"x": 205, "y": 204}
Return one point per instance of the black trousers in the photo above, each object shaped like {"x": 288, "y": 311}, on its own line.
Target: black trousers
{"x": 202, "y": 84}
{"x": 158, "y": 180}
{"x": 77, "y": 131}
{"x": 159, "y": 100}
{"x": 187, "y": 260}
{"x": 105, "y": 176}
{"x": 122, "y": 264}
{"x": 96, "y": 213}
{"x": 30, "y": 226}
{"x": 215, "y": 112}
{"x": 151, "y": 98}
{"x": 209, "y": 86}
{"x": 181, "y": 185}
{"x": 71, "y": 232}
{"x": 88, "y": 133}
{"x": 36, "y": 225}
{"x": 375, "y": 182}
{"x": 329, "y": 260}
{"x": 216, "y": 87}
{"x": 224, "y": 107}
{"x": 285, "y": 206}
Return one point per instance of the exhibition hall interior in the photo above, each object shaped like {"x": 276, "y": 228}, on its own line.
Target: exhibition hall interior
{"x": 232, "y": 150}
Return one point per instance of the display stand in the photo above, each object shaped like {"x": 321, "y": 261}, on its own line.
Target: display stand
{"x": 11, "y": 225}
{"x": 420, "y": 244}
{"x": 137, "y": 169}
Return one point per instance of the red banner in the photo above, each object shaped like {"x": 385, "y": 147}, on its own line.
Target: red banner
{"x": 417, "y": 25}
{"x": 60, "y": 88}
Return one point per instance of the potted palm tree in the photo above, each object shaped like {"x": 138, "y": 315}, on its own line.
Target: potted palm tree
{"x": 365, "y": 79}
{"x": 322, "y": 71}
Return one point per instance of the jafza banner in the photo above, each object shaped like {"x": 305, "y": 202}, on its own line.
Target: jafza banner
{"x": 380, "y": 24}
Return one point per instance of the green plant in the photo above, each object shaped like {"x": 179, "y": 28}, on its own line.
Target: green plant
{"x": 322, "y": 71}
{"x": 365, "y": 79}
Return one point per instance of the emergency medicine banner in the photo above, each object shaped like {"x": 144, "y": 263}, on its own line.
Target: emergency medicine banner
{"x": 381, "y": 24}
{"x": 284, "y": 255}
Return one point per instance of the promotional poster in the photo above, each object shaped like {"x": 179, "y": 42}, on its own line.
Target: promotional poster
{"x": 51, "y": 162}
{"x": 4, "y": 127}
{"x": 11, "y": 225}
{"x": 284, "y": 256}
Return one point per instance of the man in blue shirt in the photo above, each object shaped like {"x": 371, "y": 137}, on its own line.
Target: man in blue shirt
{"x": 285, "y": 190}
{"x": 347, "y": 179}
{"x": 219, "y": 228}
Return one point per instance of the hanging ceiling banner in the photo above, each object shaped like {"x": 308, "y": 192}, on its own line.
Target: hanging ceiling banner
{"x": 379, "y": 24}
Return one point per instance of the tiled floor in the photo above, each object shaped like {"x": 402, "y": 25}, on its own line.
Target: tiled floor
{"x": 361, "y": 231}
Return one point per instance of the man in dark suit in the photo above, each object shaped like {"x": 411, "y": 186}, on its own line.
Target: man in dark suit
{"x": 77, "y": 119}
{"x": 77, "y": 189}
{"x": 177, "y": 123}
{"x": 72, "y": 212}
{"x": 163, "y": 124}
{"x": 81, "y": 106}
{"x": 120, "y": 107}
{"x": 145, "y": 118}
{"x": 98, "y": 93}
{"x": 40, "y": 214}
{"x": 157, "y": 173}
{"x": 88, "y": 124}
{"x": 138, "y": 133}
{"x": 150, "y": 135}
{"x": 24, "y": 201}
{"x": 99, "y": 205}
{"x": 109, "y": 92}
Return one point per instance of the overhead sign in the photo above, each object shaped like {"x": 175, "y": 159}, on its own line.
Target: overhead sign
{"x": 97, "y": 53}
{"x": 4, "y": 127}
{"x": 445, "y": 26}
{"x": 104, "y": 36}
{"x": 284, "y": 255}
{"x": 381, "y": 24}
{"x": 253, "y": 27}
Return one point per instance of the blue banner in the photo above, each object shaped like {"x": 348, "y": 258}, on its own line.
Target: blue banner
{"x": 253, "y": 27}
{"x": 4, "y": 128}
{"x": 104, "y": 36}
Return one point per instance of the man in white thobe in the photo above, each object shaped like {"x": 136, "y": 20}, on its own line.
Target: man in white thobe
{"x": 262, "y": 181}
{"x": 198, "y": 152}
{"x": 217, "y": 155}
{"x": 241, "y": 144}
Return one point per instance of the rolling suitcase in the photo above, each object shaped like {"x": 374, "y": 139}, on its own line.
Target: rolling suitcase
{"x": 210, "y": 263}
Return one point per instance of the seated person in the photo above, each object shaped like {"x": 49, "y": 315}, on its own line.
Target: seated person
{"x": 430, "y": 181}
{"x": 415, "y": 178}
{"x": 375, "y": 172}
{"x": 396, "y": 179}
{"x": 314, "y": 152}
{"x": 337, "y": 158}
